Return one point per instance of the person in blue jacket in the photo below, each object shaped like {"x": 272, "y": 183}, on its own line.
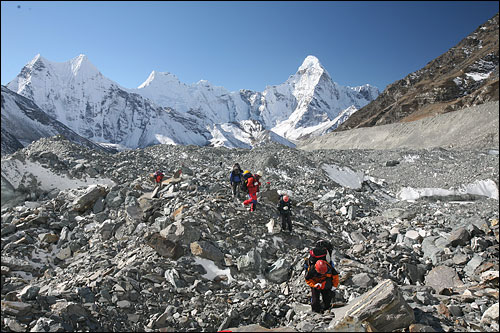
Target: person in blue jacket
{"x": 235, "y": 179}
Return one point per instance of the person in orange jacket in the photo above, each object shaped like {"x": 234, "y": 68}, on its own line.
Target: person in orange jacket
{"x": 253, "y": 186}
{"x": 321, "y": 277}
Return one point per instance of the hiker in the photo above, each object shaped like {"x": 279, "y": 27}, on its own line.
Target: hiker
{"x": 253, "y": 185}
{"x": 321, "y": 276}
{"x": 235, "y": 179}
{"x": 285, "y": 209}
{"x": 158, "y": 177}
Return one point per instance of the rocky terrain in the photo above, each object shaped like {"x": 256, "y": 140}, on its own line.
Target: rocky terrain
{"x": 415, "y": 235}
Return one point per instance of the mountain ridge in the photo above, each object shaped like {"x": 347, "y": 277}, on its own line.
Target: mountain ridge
{"x": 165, "y": 110}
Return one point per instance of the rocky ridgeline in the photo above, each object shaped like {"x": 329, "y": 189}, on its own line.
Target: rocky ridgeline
{"x": 111, "y": 258}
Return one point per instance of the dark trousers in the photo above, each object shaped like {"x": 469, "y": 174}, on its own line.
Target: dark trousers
{"x": 286, "y": 220}
{"x": 236, "y": 189}
{"x": 315, "y": 301}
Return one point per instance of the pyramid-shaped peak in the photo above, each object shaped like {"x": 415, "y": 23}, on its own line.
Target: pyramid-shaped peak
{"x": 82, "y": 63}
{"x": 37, "y": 58}
{"x": 80, "y": 58}
{"x": 159, "y": 78}
{"x": 310, "y": 62}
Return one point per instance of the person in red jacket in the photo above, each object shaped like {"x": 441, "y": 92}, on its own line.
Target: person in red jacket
{"x": 158, "y": 177}
{"x": 253, "y": 185}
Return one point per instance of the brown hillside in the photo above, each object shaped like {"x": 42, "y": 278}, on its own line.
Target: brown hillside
{"x": 447, "y": 83}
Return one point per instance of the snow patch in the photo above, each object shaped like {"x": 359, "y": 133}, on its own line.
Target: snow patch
{"x": 410, "y": 158}
{"x": 13, "y": 171}
{"x": 486, "y": 188}
{"x": 478, "y": 76}
{"x": 212, "y": 269}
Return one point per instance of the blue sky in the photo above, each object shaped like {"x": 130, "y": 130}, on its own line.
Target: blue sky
{"x": 238, "y": 44}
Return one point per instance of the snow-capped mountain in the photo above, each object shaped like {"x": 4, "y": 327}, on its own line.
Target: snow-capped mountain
{"x": 308, "y": 103}
{"x": 24, "y": 122}
{"x": 78, "y": 95}
{"x": 165, "y": 110}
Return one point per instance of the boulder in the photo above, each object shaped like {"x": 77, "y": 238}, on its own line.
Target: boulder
{"x": 206, "y": 250}
{"x": 383, "y": 308}
{"x": 88, "y": 199}
{"x": 182, "y": 232}
{"x": 279, "y": 271}
{"x": 443, "y": 279}
{"x": 165, "y": 247}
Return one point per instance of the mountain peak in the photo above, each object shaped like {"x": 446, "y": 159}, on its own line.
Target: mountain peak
{"x": 35, "y": 59}
{"x": 310, "y": 62}
{"x": 80, "y": 62}
{"x": 159, "y": 78}
{"x": 38, "y": 58}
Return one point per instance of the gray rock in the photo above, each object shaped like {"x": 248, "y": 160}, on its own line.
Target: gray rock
{"x": 459, "y": 236}
{"x": 251, "y": 261}
{"x": 165, "y": 247}
{"x": 383, "y": 307}
{"x": 181, "y": 232}
{"x": 362, "y": 280}
{"x": 443, "y": 278}
{"x": 29, "y": 293}
{"x": 206, "y": 250}
{"x": 490, "y": 316}
{"x": 89, "y": 197}
{"x": 8, "y": 229}
{"x": 17, "y": 309}
{"x": 473, "y": 264}
{"x": 279, "y": 271}
{"x": 98, "y": 206}
{"x": 433, "y": 248}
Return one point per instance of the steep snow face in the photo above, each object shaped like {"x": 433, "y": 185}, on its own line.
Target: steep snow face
{"x": 78, "y": 95}
{"x": 74, "y": 92}
{"x": 319, "y": 105}
{"x": 245, "y": 134}
{"x": 62, "y": 89}
{"x": 165, "y": 110}
{"x": 24, "y": 122}
{"x": 206, "y": 101}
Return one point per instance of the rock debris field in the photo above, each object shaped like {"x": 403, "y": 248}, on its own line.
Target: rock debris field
{"x": 86, "y": 248}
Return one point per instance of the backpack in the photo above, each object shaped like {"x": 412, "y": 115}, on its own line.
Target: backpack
{"x": 322, "y": 251}
{"x": 244, "y": 181}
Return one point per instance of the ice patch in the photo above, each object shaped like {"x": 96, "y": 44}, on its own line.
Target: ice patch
{"x": 344, "y": 176}
{"x": 486, "y": 188}
{"x": 13, "y": 171}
